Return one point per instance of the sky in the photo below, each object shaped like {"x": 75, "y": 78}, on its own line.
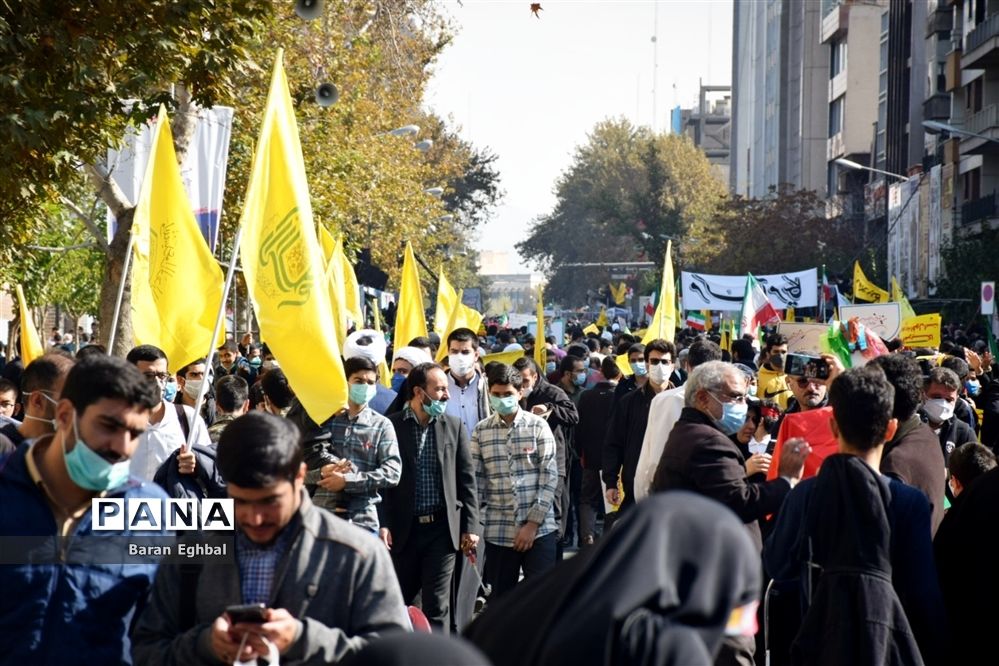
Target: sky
{"x": 531, "y": 88}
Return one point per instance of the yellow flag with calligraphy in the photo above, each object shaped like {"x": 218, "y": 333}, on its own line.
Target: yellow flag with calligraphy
{"x": 283, "y": 262}
{"x": 864, "y": 289}
{"x": 31, "y": 342}
{"x": 176, "y": 282}
{"x": 619, "y": 293}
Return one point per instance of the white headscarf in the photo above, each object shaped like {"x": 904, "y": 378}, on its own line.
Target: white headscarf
{"x": 373, "y": 351}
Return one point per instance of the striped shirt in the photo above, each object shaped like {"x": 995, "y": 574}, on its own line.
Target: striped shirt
{"x": 516, "y": 473}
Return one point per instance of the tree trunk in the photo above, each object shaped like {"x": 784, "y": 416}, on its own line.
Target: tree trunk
{"x": 109, "y": 290}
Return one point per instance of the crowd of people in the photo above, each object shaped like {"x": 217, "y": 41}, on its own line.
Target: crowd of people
{"x": 671, "y": 502}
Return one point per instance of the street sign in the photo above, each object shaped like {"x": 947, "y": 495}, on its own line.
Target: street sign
{"x": 988, "y": 298}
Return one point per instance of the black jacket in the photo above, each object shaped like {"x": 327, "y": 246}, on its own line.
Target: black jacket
{"x": 989, "y": 402}
{"x": 953, "y": 433}
{"x": 700, "y": 458}
{"x": 461, "y": 503}
{"x": 623, "y": 440}
{"x": 594, "y": 414}
{"x": 561, "y": 417}
{"x": 849, "y": 539}
{"x": 206, "y": 482}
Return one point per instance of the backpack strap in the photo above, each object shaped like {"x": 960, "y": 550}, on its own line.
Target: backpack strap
{"x": 185, "y": 426}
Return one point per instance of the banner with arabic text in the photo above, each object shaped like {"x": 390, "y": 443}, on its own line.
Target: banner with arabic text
{"x": 702, "y": 291}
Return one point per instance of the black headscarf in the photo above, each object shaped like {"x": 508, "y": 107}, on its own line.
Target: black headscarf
{"x": 658, "y": 589}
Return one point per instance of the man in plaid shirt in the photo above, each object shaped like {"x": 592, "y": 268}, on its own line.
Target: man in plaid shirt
{"x": 514, "y": 455}
{"x": 363, "y": 455}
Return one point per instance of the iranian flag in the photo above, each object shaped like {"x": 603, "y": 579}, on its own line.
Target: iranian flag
{"x": 695, "y": 320}
{"x": 757, "y": 310}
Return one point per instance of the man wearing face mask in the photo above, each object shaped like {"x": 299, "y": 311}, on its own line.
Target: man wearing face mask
{"x": 516, "y": 475}
{"x": 544, "y": 399}
{"x": 190, "y": 379}
{"x": 41, "y": 384}
{"x": 700, "y": 457}
{"x": 434, "y": 511}
{"x": 363, "y": 455}
{"x": 169, "y": 423}
{"x": 940, "y": 390}
{"x": 371, "y": 344}
{"x": 771, "y": 380}
{"x": 626, "y": 430}
{"x": 70, "y": 611}
{"x": 467, "y": 387}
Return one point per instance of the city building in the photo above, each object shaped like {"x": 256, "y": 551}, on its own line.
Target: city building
{"x": 506, "y": 291}
{"x": 779, "y": 97}
{"x": 709, "y": 126}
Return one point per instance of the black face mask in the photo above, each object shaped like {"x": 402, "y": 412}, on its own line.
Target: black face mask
{"x": 777, "y": 361}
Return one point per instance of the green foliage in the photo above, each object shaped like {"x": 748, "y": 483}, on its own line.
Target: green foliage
{"x": 65, "y": 68}
{"x": 786, "y": 231}
{"x": 968, "y": 262}
{"x": 624, "y": 193}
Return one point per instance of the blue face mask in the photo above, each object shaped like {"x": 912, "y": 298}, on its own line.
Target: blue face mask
{"x": 89, "y": 470}
{"x": 733, "y": 415}
{"x": 639, "y": 368}
{"x": 256, "y": 362}
{"x": 503, "y": 406}
{"x": 397, "y": 382}
{"x": 169, "y": 391}
{"x": 361, "y": 394}
{"x": 549, "y": 367}
{"x": 973, "y": 388}
{"x": 579, "y": 379}
{"x": 435, "y": 408}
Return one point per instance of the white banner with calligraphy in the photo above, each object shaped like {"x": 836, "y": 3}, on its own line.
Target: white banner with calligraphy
{"x": 702, "y": 291}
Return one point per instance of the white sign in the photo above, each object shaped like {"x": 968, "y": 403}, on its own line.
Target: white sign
{"x": 988, "y": 298}
{"x": 885, "y": 319}
{"x": 803, "y": 338}
{"x": 702, "y": 291}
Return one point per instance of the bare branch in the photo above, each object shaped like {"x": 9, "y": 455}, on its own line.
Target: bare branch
{"x": 89, "y": 223}
{"x": 108, "y": 190}
{"x": 68, "y": 248}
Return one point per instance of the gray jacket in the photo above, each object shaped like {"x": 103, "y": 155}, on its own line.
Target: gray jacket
{"x": 335, "y": 577}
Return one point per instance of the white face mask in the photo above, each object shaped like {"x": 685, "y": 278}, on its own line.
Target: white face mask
{"x": 192, "y": 387}
{"x": 938, "y": 409}
{"x": 461, "y": 364}
{"x": 659, "y": 374}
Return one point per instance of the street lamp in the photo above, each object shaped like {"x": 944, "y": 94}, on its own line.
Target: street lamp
{"x": 425, "y": 145}
{"x": 436, "y": 192}
{"x": 935, "y": 126}
{"x": 405, "y": 130}
{"x": 850, "y": 164}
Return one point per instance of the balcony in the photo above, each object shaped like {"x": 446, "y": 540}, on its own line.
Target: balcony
{"x": 985, "y": 123}
{"x": 978, "y": 210}
{"x": 981, "y": 46}
{"x": 938, "y": 19}
{"x": 952, "y": 70}
{"x": 835, "y": 22}
{"x": 937, "y": 107}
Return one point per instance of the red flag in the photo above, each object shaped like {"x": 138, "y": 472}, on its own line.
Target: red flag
{"x": 813, "y": 426}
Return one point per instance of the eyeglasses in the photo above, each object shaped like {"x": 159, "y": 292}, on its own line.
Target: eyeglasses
{"x": 732, "y": 397}
{"x": 803, "y": 382}
{"x": 156, "y": 375}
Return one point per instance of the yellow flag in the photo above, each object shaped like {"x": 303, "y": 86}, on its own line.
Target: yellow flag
{"x": 176, "y": 282}
{"x": 898, "y": 296}
{"x": 602, "y": 319}
{"x": 707, "y": 319}
{"x": 540, "y": 348}
{"x": 504, "y": 357}
{"x": 31, "y": 343}
{"x": 664, "y": 321}
{"x": 446, "y": 298}
{"x": 726, "y": 335}
{"x": 352, "y": 290}
{"x": 592, "y": 328}
{"x": 283, "y": 264}
{"x": 455, "y": 320}
{"x": 619, "y": 293}
{"x": 864, "y": 289}
{"x": 789, "y": 314}
{"x": 410, "y": 322}
{"x": 623, "y": 365}
{"x": 344, "y": 295}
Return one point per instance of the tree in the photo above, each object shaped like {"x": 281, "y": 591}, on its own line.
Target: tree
{"x": 625, "y": 192}
{"x": 966, "y": 263}
{"x": 785, "y": 231}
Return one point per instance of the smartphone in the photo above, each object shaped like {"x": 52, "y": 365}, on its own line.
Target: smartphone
{"x": 246, "y": 613}
{"x": 805, "y": 365}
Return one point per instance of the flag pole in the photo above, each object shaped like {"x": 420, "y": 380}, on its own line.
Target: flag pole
{"x": 121, "y": 290}
{"x": 230, "y": 273}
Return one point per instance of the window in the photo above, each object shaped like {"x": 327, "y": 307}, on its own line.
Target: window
{"x": 973, "y": 185}
{"x": 973, "y": 95}
{"x": 837, "y": 58}
{"x": 836, "y": 117}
